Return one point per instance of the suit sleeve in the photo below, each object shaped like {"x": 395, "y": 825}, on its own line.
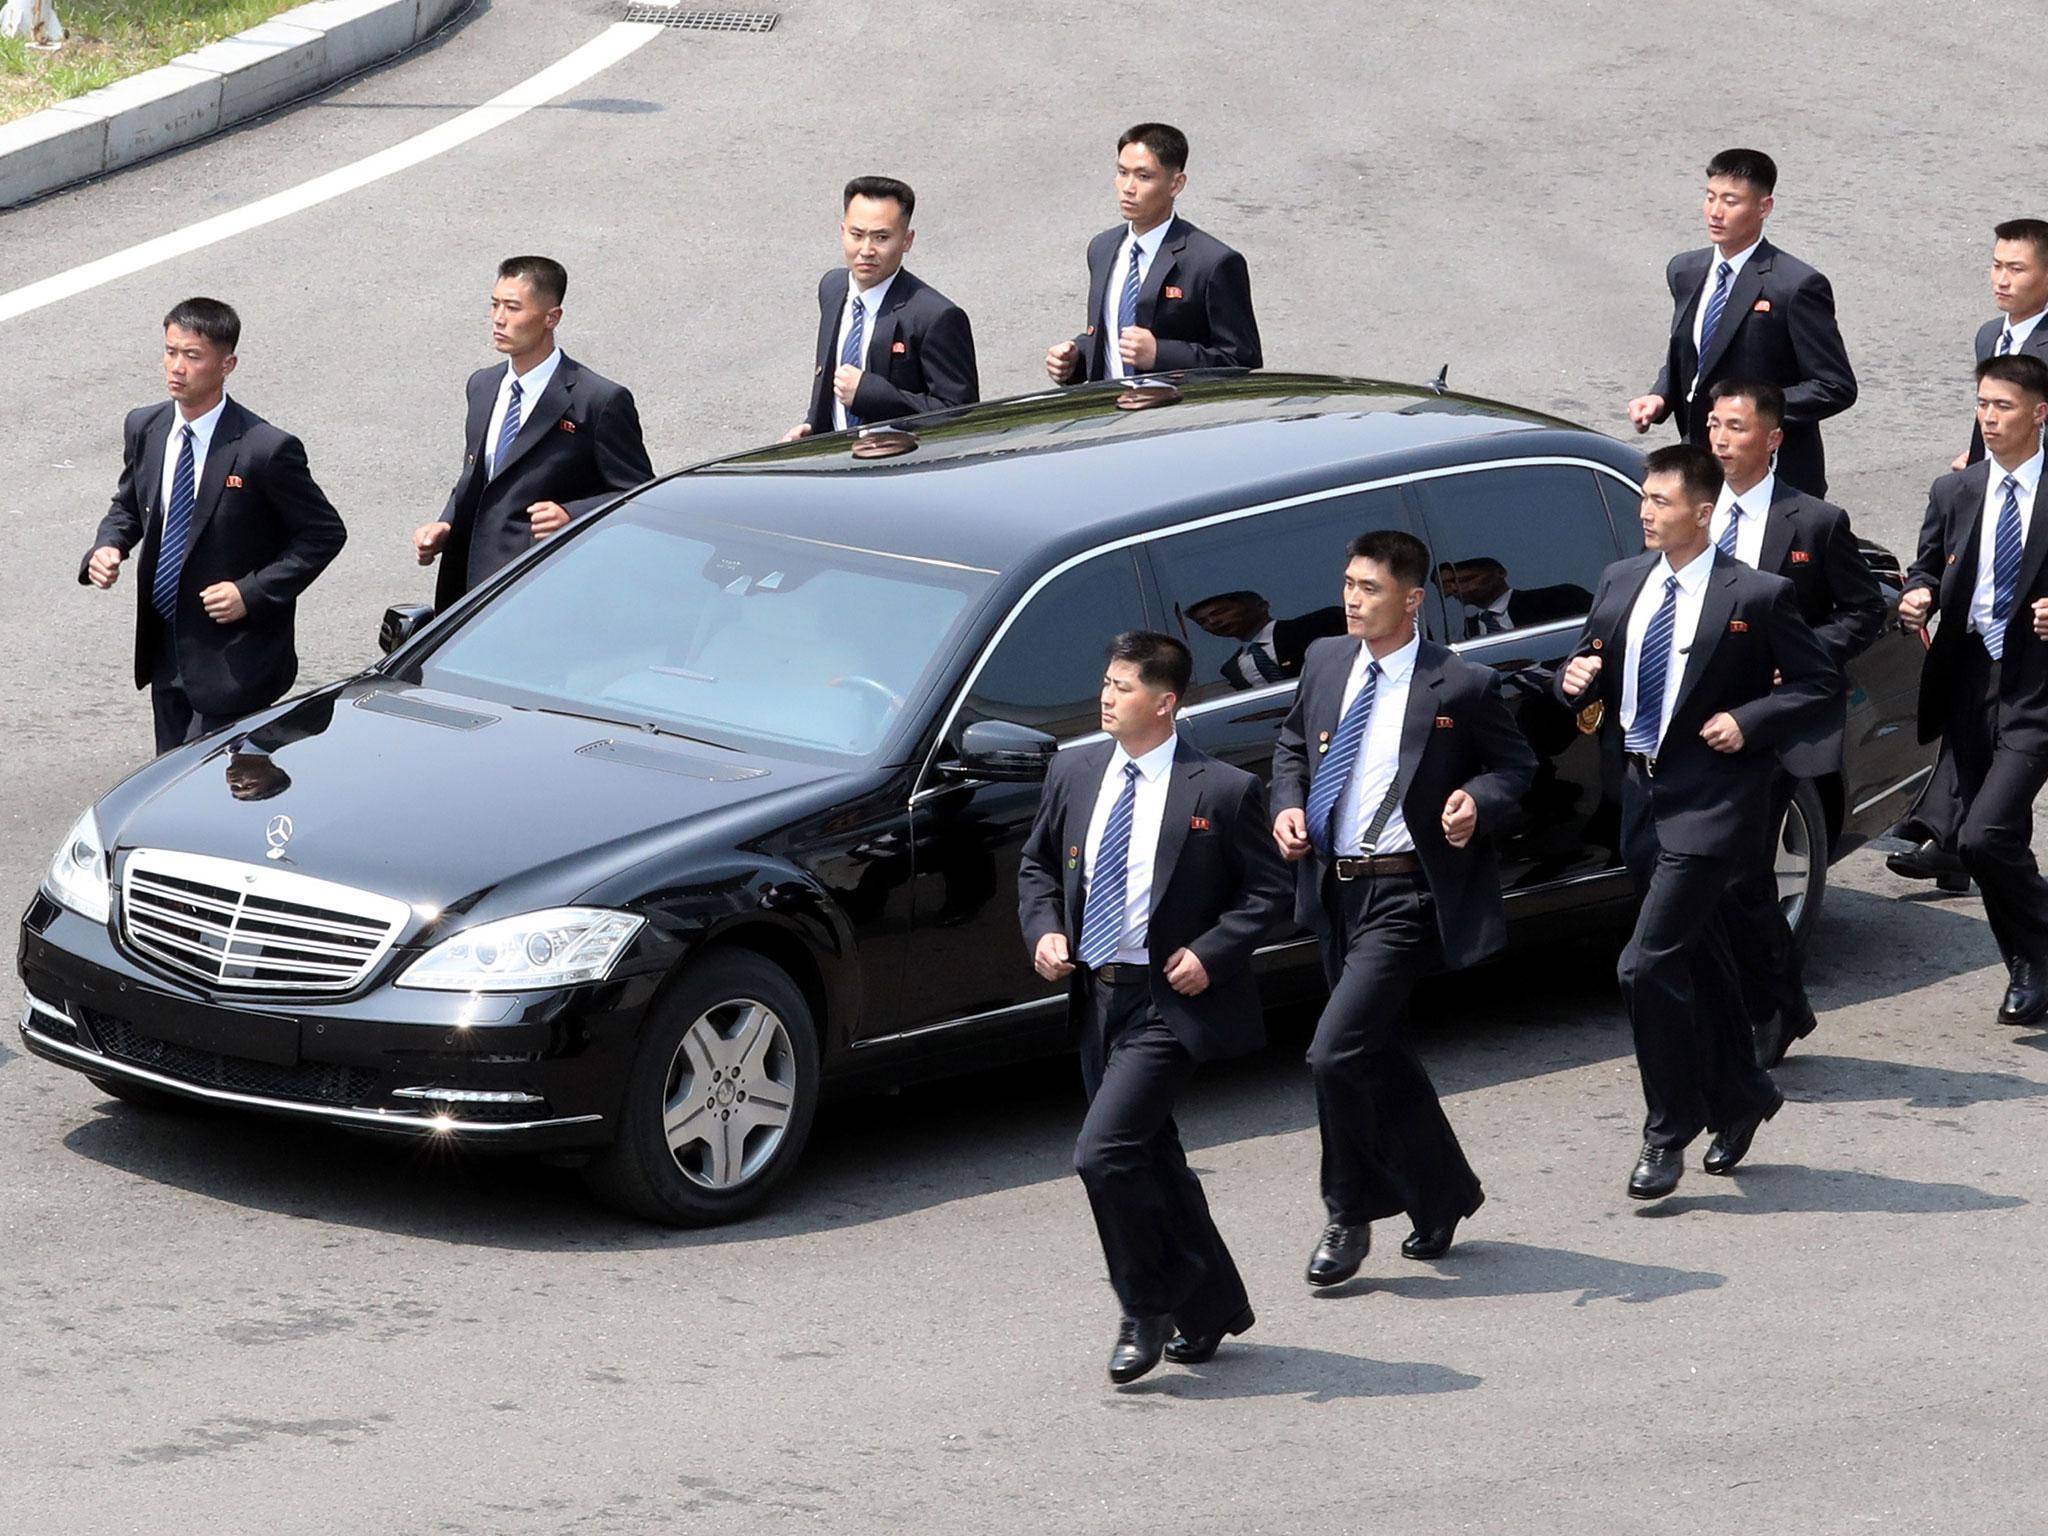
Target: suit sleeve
{"x": 621, "y": 452}
{"x": 1827, "y": 384}
{"x": 1663, "y": 387}
{"x": 1583, "y": 646}
{"x": 314, "y": 531}
{"x": 1233, "y": 328}
{"x": 946, "y": 352}
{"x": 1860, "y": 607}
{"x": 1041, "y": 889}
{"x": 1799, "y": 703}
{"x": 1263, "y": 888}
{"x": 1510, "y": 762}
{"x": 1290, "y": 755}
{"x": 1932, "y": 553}
{"x": 122, "y": 526}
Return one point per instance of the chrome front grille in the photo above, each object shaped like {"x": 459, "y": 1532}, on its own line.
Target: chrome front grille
{"x": 251, "y": 927}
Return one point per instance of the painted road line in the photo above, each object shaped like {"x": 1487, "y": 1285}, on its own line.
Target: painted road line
{"x": 565, "y": 74}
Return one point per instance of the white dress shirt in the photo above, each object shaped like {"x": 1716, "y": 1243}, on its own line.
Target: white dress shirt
{"x": 202, "y": 439}
{"x": 1379, "y": 755}
{"x": 531, "y": 383}
{"x": 1699, "y": 311}
{"x": 1756, "y": 511}
{"x": 1692, "y": 591}
{"x": 1148, "y": 812}
{"x": 871, "y": 301}
{"x": 2019, "y": 331}
{"x": 1113, "y": 294}
{"x": 2029, "y": 477}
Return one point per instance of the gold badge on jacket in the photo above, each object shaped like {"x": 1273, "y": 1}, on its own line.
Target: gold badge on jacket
{"x": 1589, "y": 717}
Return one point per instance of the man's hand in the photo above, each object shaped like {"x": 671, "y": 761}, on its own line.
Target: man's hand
{"x": 1580, "y": 673}
{"x": 1062, "y": 361}
{"x": 1644, "y": 410}
{"x": 223, "y": 603}
{"x": 1186, "y": 974}
{"x": 845, "y": 382}
{"x": 2041, "y": 617}
{"x": 1050, "y": 958}
{"x": 801, "y": 430}
{"x": 1461, "y": 818}
{"x": 547, "y": 517}
{"x": 1139, "y": 348}
{"x": 1290, "y": 831}
{"x": 104, "y": 569}
{"x": 1961, "y": 460}
{"x": 428, "y": 540}
{"x": 1722, "y": 733}
{"x": 1914, "y": 608}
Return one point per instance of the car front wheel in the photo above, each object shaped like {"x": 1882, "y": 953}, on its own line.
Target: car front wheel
{"x": 1802, "y": 862}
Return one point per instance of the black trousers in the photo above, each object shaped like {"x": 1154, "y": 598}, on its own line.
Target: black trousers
{"x": 1163, "y": 1250}
{"x": 177, "y": 722}
{"x": 1938, "y": 811}
{"x": 1694, "y": 1047}
{"x": 1997, "y": 787}
{"x": 1387, "y": 1145}
{"x": 1766, "y": 959}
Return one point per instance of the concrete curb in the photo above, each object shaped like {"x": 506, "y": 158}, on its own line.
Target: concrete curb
{"x": 290, "y": 56}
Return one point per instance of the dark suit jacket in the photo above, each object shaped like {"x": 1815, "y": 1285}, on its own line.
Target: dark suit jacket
{"x": 1531, "y": 606}
{"x": 1457, "y": 734}
{"x": 1197, "y": 300}
{"x": 579, "y": 445}
{"x": 270, "y": 533}
{"x": 1947, "y": 566}
{"x": 1779, "y": 327}
{"x": 1709, "y": 802}
{"x": 2036, "y": 345}
{"x": 1217, "y": 882}
{"x": 920, "y": 353}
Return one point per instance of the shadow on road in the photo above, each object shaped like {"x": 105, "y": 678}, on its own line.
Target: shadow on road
{"x": 1524, "y": 1269}
{"x": 1858, "y": 1080}
{"x": 1312, "y": 1375}
{"x": 1870, "y": 947}
{"x": 1768, "y": 1190}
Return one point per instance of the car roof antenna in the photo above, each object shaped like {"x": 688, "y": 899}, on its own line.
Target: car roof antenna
{"x": 1442, "y": 382}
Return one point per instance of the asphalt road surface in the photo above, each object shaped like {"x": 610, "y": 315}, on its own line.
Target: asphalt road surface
{"x": 209, "y": 1323}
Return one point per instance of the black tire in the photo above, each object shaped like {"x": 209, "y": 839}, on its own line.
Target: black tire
{"x": 1804, "y": 833}
{"x": 142, "y": 1096}
{"x": 640, "y": 1173}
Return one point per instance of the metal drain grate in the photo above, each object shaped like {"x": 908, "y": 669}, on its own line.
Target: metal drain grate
{"x": 677, "y": 19}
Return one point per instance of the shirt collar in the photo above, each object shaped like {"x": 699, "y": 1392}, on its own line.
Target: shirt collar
{"x": 1736, "y": 261}
{"x": 1394, "y": 668}
{"x": 1756, "y": 501}
{"x": 1694, "y": 575}
{"x": 2023, "y": 329}
{"x": 2028, "y": 474}
{"x": 1152, "y": 764}
{"x": 536, "y": 378}
{"x": 1152, "y": 239}
{"x": 871, "y": 300}
{"x": 202, "y": 426}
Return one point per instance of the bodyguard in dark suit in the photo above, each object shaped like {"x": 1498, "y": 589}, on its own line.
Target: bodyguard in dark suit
{"x": 546, "y": 439}
{"x": 1746, "y": 310}
{"x": 1770, "y": 525}
{"x": 889, "y": 345}
{"x": 1147, "y": 881}
{"x": 1394, "y": 768}
{"x": 233, "y": 529}
{"x": 1162, "y": 294}
{"x": 1677, "y": 661}
{"x": 1270, "y": 650}
{"x": 2019, "y": 289}
{"x": 1983, "y": 567}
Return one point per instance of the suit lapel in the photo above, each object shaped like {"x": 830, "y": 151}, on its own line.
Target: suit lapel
{"x": 1610, "y": 635}
{"x": 1964, "y": 572}
{"x": 1162, "y": 265}
{"x": 539, "y": 421}
{"x": 1418, "y": 721}
{"x": 1778, "y": 530}
{"x": 830, "y": 307}
{"x": 221, "y": 455}
{"x": 2032, "y": 556}
{"x": 1717, "y": 603}
{"x": 155, "y": 437}
{"x": 483, "y": 396}
{"x": 1328, "y": 708}
{"x": 1076, "y": 814}
{"x": 883, "y": 336}
{"x": 2036, "y": 344}
{"x": 1183, "y": 793}
{"x": 1742, "y": 293}
{"x": 1098, "y": 286}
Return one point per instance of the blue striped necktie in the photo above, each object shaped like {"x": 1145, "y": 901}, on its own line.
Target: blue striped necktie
{"x": 2005, "y": 341}
{"x": 2005, "y": 567}
{"x": 1715, "y": 305}
{"x": 1651, "y": 667}
{"x": 1126, "y": 311}
{"x": 854, "y": 353}
{"x": 1102, "y": 923}
{"x": 1726, "y": 543}
{"x": 509, "y": 432}
{"x": 170, "y": 553}
{"x": 1327, "y": 786}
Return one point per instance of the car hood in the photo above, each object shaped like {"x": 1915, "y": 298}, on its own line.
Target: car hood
{"x": 441, "y": 800}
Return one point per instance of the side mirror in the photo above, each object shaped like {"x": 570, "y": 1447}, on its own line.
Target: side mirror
{"x": 401, "y": 622}
{"x": 1002, "y": 751}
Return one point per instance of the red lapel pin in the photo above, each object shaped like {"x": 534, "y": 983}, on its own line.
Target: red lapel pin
{"x": 898, "y": 347}
{"x": 568, "y": 425}
{"x": 1198, "y": 823}
{"x": 234, "y": 482}
{"x": 1762, "y": 306}
{"x": 1801, "y": 557}
{"x": 1737, "y": 627}
{"x": 1175, "y": 293}
{"x": 1444, "y": 722}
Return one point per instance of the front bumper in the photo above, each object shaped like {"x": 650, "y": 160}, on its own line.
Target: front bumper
{"x": 530, "y": 1071}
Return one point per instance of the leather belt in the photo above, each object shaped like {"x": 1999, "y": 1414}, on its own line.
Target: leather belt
{"x": 1644, "y": 761}
{"x": 1349, "y": 868}
{"x": 1121, "y": 974}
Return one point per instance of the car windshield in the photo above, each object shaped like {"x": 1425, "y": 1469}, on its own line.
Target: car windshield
{"x": 731, "y": 636}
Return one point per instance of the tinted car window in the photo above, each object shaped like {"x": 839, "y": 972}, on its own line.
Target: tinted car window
{"x": 1517, "y": 546}
{"x": 1249, "y": 595}
{"x": 1046, "y": 671}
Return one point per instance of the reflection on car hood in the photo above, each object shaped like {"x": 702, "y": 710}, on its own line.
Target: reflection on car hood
{"x": 438, "y": 799}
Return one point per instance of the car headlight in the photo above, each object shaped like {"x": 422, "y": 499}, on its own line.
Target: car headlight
{"x": 555, "y": 948}
{"x": 78, "y": 875}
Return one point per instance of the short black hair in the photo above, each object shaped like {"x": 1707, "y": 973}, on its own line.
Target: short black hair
{"x": 2032, "y": 230}
{"x": 1163, "y": 139}
{"x": 1697, "y": 470}
{"x": 2021, "y": 368}
{"x": 210, "y": 318}
{"x": 1768, "y": 399}
{"x": 1162, "y": 661}
{"x": 1405, "y": 556}
{"x": 882, "y": 189}
{"x": 1750, "y": 165}
{"x": 549, "y": 277}
{"x": 1245, "y": 596}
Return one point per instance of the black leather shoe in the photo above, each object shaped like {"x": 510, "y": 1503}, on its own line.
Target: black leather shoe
{"x": 1433, "y": 1242}
{"x": 1656, "y": 1173}
{"x": 1929, "y": 861}
{"x": 1339, "y": 1254}
{"x": 1773, "y": 1039}
{"x": 2026, "y": 999}
{"x": 1139, "y": 1343}
{"x": 1195, "y": 1348}
{"x": 1732, "y": 1144}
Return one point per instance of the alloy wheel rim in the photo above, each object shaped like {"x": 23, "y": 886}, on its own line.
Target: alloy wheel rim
{"x": 730, "y": 1093}
{"x": 1794, "y": 864}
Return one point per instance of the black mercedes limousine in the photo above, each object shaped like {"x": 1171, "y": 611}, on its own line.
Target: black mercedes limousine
{"x": 712, "y": 802}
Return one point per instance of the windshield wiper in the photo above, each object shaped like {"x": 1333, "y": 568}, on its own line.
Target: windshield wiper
{"x": 647, "y": 726}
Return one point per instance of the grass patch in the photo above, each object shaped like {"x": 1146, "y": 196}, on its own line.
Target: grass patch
{"x": 109, "y": 40}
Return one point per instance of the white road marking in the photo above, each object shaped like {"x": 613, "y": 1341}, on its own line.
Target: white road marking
{"x": 565, "y": 74}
